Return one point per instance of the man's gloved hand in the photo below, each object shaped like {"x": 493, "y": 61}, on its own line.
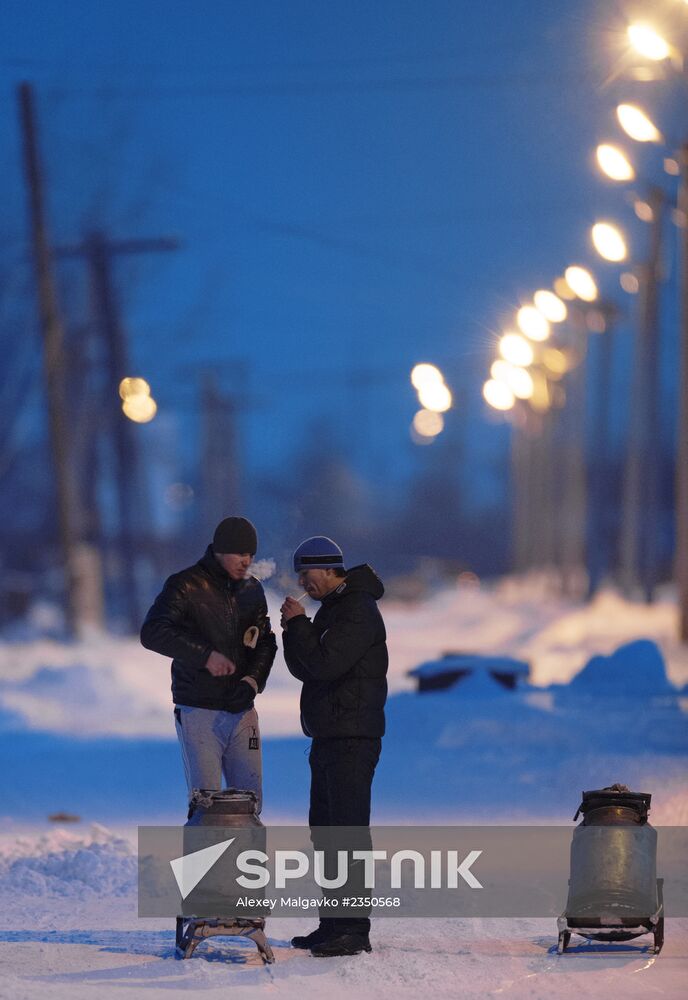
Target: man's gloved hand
{"x": 243, "y": 698}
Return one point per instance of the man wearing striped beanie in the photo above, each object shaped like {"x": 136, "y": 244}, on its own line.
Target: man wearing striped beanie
{"x": 341, "y": 659}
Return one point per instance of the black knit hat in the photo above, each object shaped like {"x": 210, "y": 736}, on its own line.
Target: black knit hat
{"x": 235, "y": 534}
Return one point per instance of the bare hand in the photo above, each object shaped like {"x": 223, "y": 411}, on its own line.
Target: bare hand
{"x": 291, "y": 609}
{"x": 220, "y": 665}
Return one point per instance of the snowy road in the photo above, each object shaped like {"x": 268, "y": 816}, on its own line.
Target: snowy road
{"x": 87, "y": 729}
{"x": 469, "y": 958}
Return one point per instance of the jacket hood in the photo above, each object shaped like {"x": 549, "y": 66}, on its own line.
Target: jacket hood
{"x": 362, "y": 578}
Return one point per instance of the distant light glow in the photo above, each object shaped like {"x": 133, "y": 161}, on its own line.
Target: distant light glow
{"x": 672, "y": 166}
{"x": 423, "y": 374}
{"x": 541, "y": 398}
{"x": 550, "y": 305}
{"x": 628, "y": 280}
{"x": 498, "y": 395}
{"x": 516, "y": 350}
{"x": 614, "y": 163}
{"x": 133, "y": 387}
{"x": 609, "y": 242}
{"x": 643, "y": 210}
{"x": 427, "y": 423}
{"x": 595, "y": 320}
{"x": 555, "y": 361}
{"x": 648, "y": 42}
{"x": 532, "y": 323}
{"x": 581, "y": 283}
{"x": 140, "y": 407}
{"x": 500, "y": 369}
{"x": 435, "y": 396}
{"x": 564, "y": 290}
{"x": 520, "y": 382}
{"x": 635, "y": 123}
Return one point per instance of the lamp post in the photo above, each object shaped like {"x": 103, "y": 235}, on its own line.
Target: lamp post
{"x": 651, "y": 45}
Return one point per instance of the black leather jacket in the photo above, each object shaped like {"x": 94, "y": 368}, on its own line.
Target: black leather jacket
{"x": 202, "y": 609}
{"x": 341, "y": 657}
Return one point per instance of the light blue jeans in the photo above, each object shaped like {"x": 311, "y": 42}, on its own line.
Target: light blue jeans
{"x": 216, "y": 744}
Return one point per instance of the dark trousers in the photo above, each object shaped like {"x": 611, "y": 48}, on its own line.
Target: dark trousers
{"x": 342, "y": 772}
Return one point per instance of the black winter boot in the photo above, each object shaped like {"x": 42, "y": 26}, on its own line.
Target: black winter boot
{"x": 345, "y": 943}
{"x": 318, "y": 936}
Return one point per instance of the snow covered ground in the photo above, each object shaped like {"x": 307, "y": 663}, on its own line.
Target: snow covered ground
{"x": 87, "y": 729}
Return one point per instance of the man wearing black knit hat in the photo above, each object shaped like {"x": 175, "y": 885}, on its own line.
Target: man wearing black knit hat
{"x": 341, "y": 659}
{"x": 212, "y": 620}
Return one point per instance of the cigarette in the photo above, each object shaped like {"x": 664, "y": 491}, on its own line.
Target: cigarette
{"x": 300, "y": 597}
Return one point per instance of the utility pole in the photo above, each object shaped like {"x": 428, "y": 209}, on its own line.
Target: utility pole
{"x": 53, "y": 360}
{"x": 682, "y": 434}
{"x": 220, "y": 467}
{"x": 99, "y": 253}
{"x": 641, "y": 487}
{"x": 600, "y": 529}
{"x": 573, "y": 499}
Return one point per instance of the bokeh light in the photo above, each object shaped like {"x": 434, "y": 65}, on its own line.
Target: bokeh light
{"x": 427, "y": 423}
{"x": 581, "y": 282}
{"x": 516, "y": 350}
{"x": 609, "y": 242}
{"x": 614, "y": 163}
{"x": 498, "y": 395}
{"x": 635, "y": 123}
{"x": 532, "y": 323}
{"x": 550, "y": 305}
{"x": 140, "y": 407}
{"x": 423, "y": 374}
{"x": 133, "y": 387}
{"x": 648, "y": 42}
{"x": 435, "y": 396}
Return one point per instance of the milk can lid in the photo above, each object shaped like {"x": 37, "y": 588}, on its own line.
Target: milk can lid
{"x": 615, "y": 795}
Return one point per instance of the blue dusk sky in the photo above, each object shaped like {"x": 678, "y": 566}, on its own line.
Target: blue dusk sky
{"x": 356, "y": 187}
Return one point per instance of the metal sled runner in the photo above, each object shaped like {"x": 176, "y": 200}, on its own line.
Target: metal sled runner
{"x": 191, "y": 931}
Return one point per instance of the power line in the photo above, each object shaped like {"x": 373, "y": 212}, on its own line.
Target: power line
{"x": 514, "y": 81}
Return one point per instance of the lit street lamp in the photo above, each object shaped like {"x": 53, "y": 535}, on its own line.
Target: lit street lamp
{"x": 613, "y": 162}
{"x": 609, "y": 242}
{"x": 650, "y": 44}
{"x": 636, "y": 124}
{"x": 581, "y": 283}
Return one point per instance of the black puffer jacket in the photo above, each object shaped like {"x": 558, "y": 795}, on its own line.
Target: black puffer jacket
{"x": 341, "y": 657}
{"x": 202, "y": 609}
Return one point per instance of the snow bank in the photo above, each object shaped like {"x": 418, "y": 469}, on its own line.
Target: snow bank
{"x": 636, "y": 669}
{"x": 67, "y": 864}
{"x": 107, "y": 686}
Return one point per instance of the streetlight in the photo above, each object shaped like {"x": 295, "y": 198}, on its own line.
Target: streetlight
{"x": 649, "y": 43}
{"x": 139, "y": 407}
{"x": 652, "y": 48}
{"x": 516, "y": 350}
{"x": 550, "y": 305}
{"x": 498, "y": 395}
{"x": 613, "y": 162}
{"x": 428, "y": 424}
{"x": 133, "y": 387}
{"x": 532, "y": 323}
{"x": 581, "y": 282}
{"x": 423, "y": 374}
{"x": 435, "y": 396}
{"x": 636, "y": 124}
{"x": 609, "y": 242}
